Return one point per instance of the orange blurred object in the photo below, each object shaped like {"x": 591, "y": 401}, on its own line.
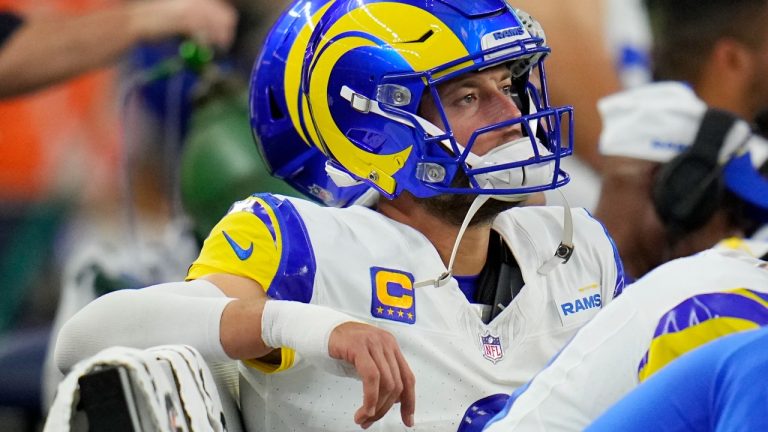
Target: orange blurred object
{"x": 65, "y": 131}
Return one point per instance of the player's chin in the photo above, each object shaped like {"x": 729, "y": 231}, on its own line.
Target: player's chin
{"x": 460, "y": 204}
{"x": 452, "y": 208}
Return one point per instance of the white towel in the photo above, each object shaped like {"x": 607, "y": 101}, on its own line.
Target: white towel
{"x": 190, "y": 394}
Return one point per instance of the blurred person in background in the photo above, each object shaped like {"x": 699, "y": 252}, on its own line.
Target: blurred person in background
{"x": 719, "y": 50}
{"x": 48, "y": 137}
{"x": 60, "y": 149}
{"x": 602, "y": 46}
{"x": 32, "y": 58}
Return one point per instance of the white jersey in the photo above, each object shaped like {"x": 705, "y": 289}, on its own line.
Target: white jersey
{"x": 675, "y": 308}
{"x": 364, "y": 264}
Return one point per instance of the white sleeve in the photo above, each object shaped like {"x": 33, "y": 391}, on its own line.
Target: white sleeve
{"x": 593, "y": 371}
{"x": 170, "y": 313}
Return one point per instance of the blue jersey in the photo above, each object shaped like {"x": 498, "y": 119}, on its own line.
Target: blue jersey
{"x": 719, "y": 387}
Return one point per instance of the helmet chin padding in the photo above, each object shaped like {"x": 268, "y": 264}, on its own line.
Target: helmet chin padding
{"x": 531, "y": 175}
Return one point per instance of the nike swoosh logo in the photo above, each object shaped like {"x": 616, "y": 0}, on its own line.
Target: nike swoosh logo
{"x": 241, "y": 253}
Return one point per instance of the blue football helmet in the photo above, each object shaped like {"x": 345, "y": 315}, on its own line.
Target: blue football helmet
{"x": 364, "y": 67}
{"x": 274, "y": 97}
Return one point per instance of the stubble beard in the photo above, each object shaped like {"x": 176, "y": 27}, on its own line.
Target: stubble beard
{"x": 453, "y": 208}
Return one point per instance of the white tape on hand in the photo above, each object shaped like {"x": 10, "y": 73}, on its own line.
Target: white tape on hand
{"x": 306, "y": 329}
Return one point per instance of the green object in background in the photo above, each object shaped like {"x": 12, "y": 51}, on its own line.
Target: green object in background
{"x": 220, "y": 163}
{"x": 196, "y": 56}
{"x": 23, "y": 257}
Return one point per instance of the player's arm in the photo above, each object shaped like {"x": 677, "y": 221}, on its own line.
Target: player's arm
{"x": 47, "y": 50}
{"x": 253, "y": 326}
{"x": 226, "y": 316}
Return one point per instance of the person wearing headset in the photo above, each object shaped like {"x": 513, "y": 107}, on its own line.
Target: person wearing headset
{"x": 702, "y": 44}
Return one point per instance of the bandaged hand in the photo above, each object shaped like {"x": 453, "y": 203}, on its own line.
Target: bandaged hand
{"x": 387, "y": 378}
{"x": 334, "y": 337}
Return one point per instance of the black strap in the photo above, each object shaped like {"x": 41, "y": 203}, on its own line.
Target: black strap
{"x": 501, "y": 279}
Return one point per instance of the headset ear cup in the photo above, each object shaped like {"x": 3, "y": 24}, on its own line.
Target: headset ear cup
{"x": 687, "y": 191}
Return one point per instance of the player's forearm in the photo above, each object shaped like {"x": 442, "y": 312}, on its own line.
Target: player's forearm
{"x": 48, "y": 50}
{"x": 174, "y": 313}
{"x": 241, "y": 329}
{"x": 302, "y": 327}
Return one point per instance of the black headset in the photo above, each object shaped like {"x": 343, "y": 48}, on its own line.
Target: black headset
{"x": 689, "y": 188}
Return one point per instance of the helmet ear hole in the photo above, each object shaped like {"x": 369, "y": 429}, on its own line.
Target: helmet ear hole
{"x": 276, "y": 113}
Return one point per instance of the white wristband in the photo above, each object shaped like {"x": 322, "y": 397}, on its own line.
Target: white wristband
{"x": 305, "y": 328}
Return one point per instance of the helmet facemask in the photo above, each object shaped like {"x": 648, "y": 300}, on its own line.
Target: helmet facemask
{"x": 523, "y": 162}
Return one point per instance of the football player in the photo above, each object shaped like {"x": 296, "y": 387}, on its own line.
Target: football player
{"x": 440, "y": 293}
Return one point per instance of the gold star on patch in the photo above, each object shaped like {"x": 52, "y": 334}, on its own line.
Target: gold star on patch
{"x": 390, "y": 311}
{"x": 380, "y": 310}
{"x": 400, "y": 314}
{"x": 410, "y": 315}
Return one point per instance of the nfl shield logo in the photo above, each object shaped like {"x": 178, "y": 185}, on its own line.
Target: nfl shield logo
{"x": 491, "y": 346}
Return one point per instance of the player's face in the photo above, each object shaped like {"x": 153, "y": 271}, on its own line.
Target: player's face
{"x": 476, "y": 100}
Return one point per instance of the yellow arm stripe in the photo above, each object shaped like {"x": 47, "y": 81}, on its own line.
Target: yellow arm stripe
{"x": 288, "y": 357}
{"x": 668, "y": 347}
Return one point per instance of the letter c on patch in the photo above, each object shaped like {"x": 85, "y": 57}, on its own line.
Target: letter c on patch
{"x": 394, "y": 289}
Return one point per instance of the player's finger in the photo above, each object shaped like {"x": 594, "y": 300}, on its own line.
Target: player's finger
{"x": 408, "y": 394}
{"x": 390, "y": 385}
{"x": 386, "y": 398}
{"x": 369, "y": 374}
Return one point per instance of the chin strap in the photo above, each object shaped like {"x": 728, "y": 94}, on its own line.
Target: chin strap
{"x": 446, "y": 276}
{"x": 563, "y": 252}
{"x": 565, "y": 249}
